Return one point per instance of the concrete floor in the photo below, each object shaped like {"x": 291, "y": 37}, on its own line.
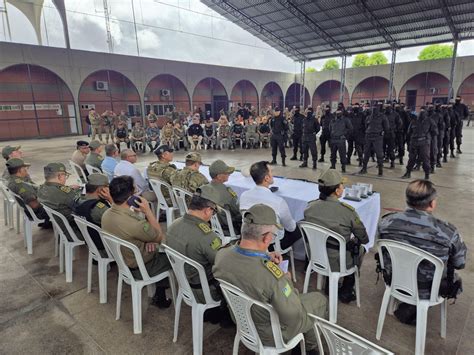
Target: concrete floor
{"x": 40, "y": 313}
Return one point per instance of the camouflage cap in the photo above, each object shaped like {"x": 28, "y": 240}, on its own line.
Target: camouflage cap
{"x": 163, "y": 148}
{"x": 331, "y": 177}
{"x": 16, "y": 163}
{"x": 6, "y": 151}
{"x": 193, "y": 156}
{"x": 95, "y": 144}
{"x": 220, "y": 167}
{"x": 97, "y": 180}
{"x": 55, "y": 168}
{"x": 261, "y": 214}
{"x": 207, "y": 192}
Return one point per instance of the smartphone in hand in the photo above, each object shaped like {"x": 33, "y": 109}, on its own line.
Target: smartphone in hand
{"x": 132, "y": 201}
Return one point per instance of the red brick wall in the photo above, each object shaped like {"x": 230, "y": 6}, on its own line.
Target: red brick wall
{"x": 244, "y": 92}
{"x": 423, "y": 82}
{"x": 271, "y": 95}
{"x": 373, "y": 88}
{"x": 466, "y": 90}
{"x": 179, "y": 96}
{"x": 292, "y": 97}
{"x": 205, "y": 90}
{"x": 329, "y": 92}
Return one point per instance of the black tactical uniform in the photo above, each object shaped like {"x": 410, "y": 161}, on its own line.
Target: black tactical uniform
{"x": 358, "y": 134}
{"x": 325, "y": 135}
{"x": 279, "y": 127}
{"x": 454, "y": 119}
{"x": 439, "y": 117}
{"x": 400, "y": 133}
{"x": 339, "y": 128}
{"x": 297, "y": 132}
{"x": 463, "y": 113}
{"x": 394, "y": 124}
{"x": 310, "y": 129}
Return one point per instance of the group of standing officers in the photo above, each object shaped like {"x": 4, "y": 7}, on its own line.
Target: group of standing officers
{"x": 380, "y": 132}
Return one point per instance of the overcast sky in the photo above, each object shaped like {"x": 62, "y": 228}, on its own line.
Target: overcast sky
{"x": 184, "y": 30}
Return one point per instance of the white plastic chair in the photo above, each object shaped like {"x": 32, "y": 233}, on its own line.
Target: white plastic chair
{"x": 185, "y": 293}
{"x": 92, "y": 169}
{"x": 78, "y": 172}
{"x": 114, "y": 247}
{"x": 9, "y": 203}
{"x": 94, "y": 254}
{"x": 241, "y": 305}
{"x": 277, "y": 247}
{"x": 315, "y": 245}
{"x": 66, "y": 247}
{"x": 341, "y": 341}
{"x": 180, "y": 196}
{"x": 157, "y": 186}
{"x": 217, "y": 227}
{"x": 405, "y": 260}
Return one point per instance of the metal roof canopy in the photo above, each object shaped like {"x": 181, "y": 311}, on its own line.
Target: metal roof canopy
{"x": 306, "y": 30}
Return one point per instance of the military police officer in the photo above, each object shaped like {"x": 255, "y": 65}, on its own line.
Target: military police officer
{"x": 190, "y": 178}
{"x": 279, "y": 127}
{"x": 95, "y": 158}
{"x": 298, "y": 119}
{"x": 10, "y": 152}
{"x": 310, "y": 128}
{"x": 163, "y": 169}
{"x": 326, "y": 119}
{"x": 339, "y": 128}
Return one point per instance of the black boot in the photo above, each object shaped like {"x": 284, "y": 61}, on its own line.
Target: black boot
{"x": 159, "y": 299}
{"x": 427, "y": 176}
{"x": 283, "y": 161}
{"x": 380, "y": 170}
{"x": 452, "y": 153}
{"x": 438, "y": 164}
{"x": 401, "y": 160}
{"x": 346, "y": 292}
{"x": 333, "y": 166}
{"x": 348, "y": 161}
{"x": 314, "y": 165}
{"x": 294, "y": 157}
{"x": 304, "y": 164}
{"x": 343, "y": 168}
{"x": 360, "y": 162}
{"x": 301, "y": 158}
{"x": 363, "y": 170}
{"x": 321, "y": 160}
{"x": 407, "y": 175}
{"x": 459, "y": 150}
{"x": 445, "y": 158}
{"x": 392, "y": 164}
{"x": 273, "y": 162}
{"x": 432, "y": 169}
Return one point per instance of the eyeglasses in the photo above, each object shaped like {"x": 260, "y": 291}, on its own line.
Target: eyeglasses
{"x": 274, "y": 235}
{"x": 66, "y": 175}
{"x": 214, "y": 210}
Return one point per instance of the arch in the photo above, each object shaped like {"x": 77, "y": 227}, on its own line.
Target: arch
{"x": 328, "y": 93}
{"x": 272, "y": 95}
{"x": 119, "y": 93}
{"x": 245, "y": 93}
{"x": 466, "y": 91}
{"x": 209, "y": 97}
{"x": 35, "y": 102}
{"x": 424, "y": 87}
{"x": 175, "y": 99}
{"x": 371, "y": 89}
{"x": 292, "y": 97}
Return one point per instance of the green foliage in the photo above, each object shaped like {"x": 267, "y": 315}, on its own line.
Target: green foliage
{"x": 330, "y": 64}
{"x": 436, "y": 51}
{"x": 377, "y": 58}
{"x": 360, "y": 60}
{"x": 311, "y": 70}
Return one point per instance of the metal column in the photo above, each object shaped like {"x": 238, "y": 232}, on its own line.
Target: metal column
{"x": 343, "y": 78}
{"x": 453, "y": 70}
{"x": 302, "y": 87}
{"x": 392, "y": 72}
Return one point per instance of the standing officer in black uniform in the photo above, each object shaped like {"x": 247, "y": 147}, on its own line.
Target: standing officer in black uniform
{"x": 420, "y": 131}
{"x": 463, "y": 113}
{"x": 297, "y": 132}
{"x": 375, "y": 126}
{"x": 339, "y": 128}
{"x": 310, "y": 129}
{"x": 439, "y": 116}
{"x": 434, "y": 135}
{"x": 400, "y": 133}
{"x": 447, "y": 130}
{"x": 358, "y": 134}
{"x": 279, "y": 127}
{"x": 394, "y": 124}
{"x": 326, "y": 118}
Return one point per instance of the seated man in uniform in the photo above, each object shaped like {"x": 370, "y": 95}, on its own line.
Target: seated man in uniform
{"x": 121, "y": 134}
{"x": 153, "y": 136}
{"x": 95, "y": 158}
{"x": 93, "y": 204}
{"x": 190, "y": 178}
{"x": 10, "y": 152}
{"x": 237, "y": 131}
{"x": 179, "y": 134}
{"x": 110, "y": 162}
{"x": 223, "y": 131}
{"x": 79, "y": 156}
{"x": 264, "y": 131}
{"x": 251, "y": 135}
{"x": 418, "y": 227}
{"x": 251, "y": 268}
{"x": 19, "y": 182}
{"x": 195, "y": 134}
{"x": 167, "y": 134}
{"x": 210, "y": 131}
{"x": 227, "y": 198}
{"x": 127, "y": 223}
{"x": 138, "y": 135}
{"x": 341, "y": 218}
{"x": 162, "y": 169}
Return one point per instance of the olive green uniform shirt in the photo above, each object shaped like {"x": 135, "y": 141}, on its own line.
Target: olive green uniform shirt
{"x": 23, "y": 187}
{"x": 79, "y": 158}
{"x": 94, "y": 160}
{"x": 228, "y": 199}
{"x": 97, "y": 211}
{"x": 59, "y": 198}
{"x": 162, "y": 171}
{"x": 188, "y": 179}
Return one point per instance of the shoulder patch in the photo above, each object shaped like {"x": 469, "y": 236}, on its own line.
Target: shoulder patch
{"x": 146, "y": 226}
{"x": 274, "y": 269}
{"x": 216, "y": 243}
{"x": 232, "y": 192}
{"x": 100, "y": 205}
{"x": 205, "y": 228}
{"x": 22, "y": 189}
{"x": 348, "y": 206}
{"x": 65, "y": 189}
{"x": 18, "y": 181}
{"x": 287, "y": 290}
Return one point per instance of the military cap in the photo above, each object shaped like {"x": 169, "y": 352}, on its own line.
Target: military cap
{"x": 16, "y": 163}
{"x": 207, "y": 192}
{"x": 97, "y": 180}
{"x": 331, "y": 177}
{"x": 261, "y": 214}
{"x": 95, "y": 144}
{"x": 82, "y": 144}
{"x": 219, "y": 167}
{"x": 6, "y": 151}
{"x": 193, "y": 156}
{"x": 163, "y": 148}
{"x": 55, "y": 168}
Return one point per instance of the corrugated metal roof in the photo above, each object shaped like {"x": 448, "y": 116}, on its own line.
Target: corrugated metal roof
{"x": 307, "y": 30}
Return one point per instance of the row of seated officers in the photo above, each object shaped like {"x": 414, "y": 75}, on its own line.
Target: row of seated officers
{"x": 249, "y": 264}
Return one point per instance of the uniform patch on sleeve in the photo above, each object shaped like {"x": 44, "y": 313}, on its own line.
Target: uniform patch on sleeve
{"x": 205, "y": 228}
{"x": 287, "y": 290}
{"x": 274, "y": 269}
{"x": 146, "y": 227}
{"x": 22, "y": 190}
{"x": 100, "y": 205}
{"x": 232, "y": 192}
{"x": 65, "y": 189}
{"x": 348, "y": 206}
{"x": 357, "y": 220}
{"x": 216, "y": 243}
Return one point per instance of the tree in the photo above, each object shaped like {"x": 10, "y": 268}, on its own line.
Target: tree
{"x": 436, "y": 51}
{"x": 311, "y": 70}
{"x": 360, "y": 60}
{"x": 377, "y": 58}
{"x": 330, "y": 64}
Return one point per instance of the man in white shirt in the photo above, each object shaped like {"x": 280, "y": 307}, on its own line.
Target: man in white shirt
{"x": 125, "y": 167}
{"x": 261, "y": 173}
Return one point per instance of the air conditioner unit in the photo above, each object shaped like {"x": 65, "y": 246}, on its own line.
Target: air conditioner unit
{"x": 101, "y": 85}
{"x": 165, "y": 92}
{"x": 87, "y": 106}
{"x": 433, "y": 90}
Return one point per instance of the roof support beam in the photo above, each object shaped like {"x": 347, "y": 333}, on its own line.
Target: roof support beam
{"x": 449, "y": 20}
{"x": 392, "y": 73}
{"x": 243, "y": 18}
{"x": 343, "y": 78}
{"x": 302, "y": 87}
{"x": 453, "y": 70}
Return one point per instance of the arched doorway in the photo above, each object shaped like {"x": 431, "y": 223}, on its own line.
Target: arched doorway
{"x": 210, "y": 97}
{"x": 245, "y": 93}
{"x": 272, "y": 95}
{"x": 292, "y": 97}
{"x": 35, "y": 102}
{"x": 109, "y": 90}
{"x": 372, "y": 89}
{"x": 466, "y": 91}
{"x": 424, "y": 87}
{"x": 328, "y": 93}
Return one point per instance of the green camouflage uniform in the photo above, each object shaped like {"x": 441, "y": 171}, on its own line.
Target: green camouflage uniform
{"x": 28, "y": 191}
{"x": 95, "y": 160}
{"x": 251, "y": 133}
{"x": 162, "y": 171}
{"x": 229, "y": 200}
{"x": 188, "y": 179}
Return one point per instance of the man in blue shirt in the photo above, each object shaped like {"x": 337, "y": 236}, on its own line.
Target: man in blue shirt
{"x": 110, "y": 161}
